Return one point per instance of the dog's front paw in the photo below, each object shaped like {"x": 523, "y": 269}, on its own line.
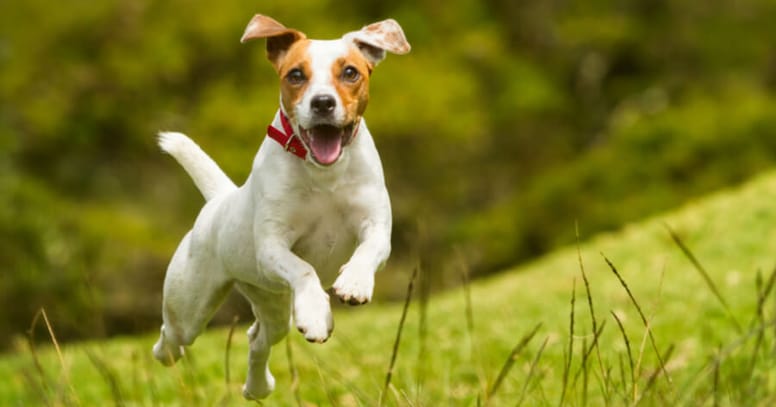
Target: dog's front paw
{"x": 312, "y": 313}
{"x": 354, "y": 285}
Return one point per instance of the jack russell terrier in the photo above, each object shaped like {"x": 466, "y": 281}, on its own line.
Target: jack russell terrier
{"x": 314, "y": 203}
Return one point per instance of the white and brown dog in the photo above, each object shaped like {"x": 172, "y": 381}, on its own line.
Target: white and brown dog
{"x": 315, "y": 203}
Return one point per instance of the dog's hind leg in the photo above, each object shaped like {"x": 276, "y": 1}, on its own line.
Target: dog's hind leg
{"x": 273, "y": 313}
{"x": 193, "y": 290}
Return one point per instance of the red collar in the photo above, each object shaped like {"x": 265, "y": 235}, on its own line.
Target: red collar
{"x": 287, "y": 139}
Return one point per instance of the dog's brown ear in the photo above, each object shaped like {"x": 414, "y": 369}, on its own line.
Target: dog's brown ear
{"x": 279, "y": 38}
{"x": 374, "y": 39}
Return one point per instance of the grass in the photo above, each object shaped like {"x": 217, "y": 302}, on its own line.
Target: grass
{"x": 677, "y": 310}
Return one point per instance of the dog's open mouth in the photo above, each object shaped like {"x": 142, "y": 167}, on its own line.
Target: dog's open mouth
{"x": 326, "y": 141}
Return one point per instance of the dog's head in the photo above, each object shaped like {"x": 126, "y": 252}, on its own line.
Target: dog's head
{"x": 324, "y": 85}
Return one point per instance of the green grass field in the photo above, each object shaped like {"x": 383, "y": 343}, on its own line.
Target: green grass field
{"x": 714, "y": 350}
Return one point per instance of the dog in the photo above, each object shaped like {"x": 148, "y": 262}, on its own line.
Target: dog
{"x": 314, "y": 206}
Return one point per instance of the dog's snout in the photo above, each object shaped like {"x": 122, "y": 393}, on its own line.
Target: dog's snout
{"x": 323, "y": 104}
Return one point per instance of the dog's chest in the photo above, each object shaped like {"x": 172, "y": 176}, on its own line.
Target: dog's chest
{"x": 326, "y": 236}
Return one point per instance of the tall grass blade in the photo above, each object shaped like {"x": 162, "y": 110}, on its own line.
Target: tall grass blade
{"x": 293, "y": 372}
{"x": 153, "y": 392}
{"x": 630, "y": 357}
{"x": 721, "y": 356}
{"x": 396, "y": 343}
{"x": 587, "y": 350}
{"x": 180, "y": 369}
{"x": 763, "y": 292}
{"x": 705, "y": 275}
{"x": 108, "y": 375}
{"x": 641, "y": 314}
{"x": 425, "y": 292}
{"x": 43, "y": 385}
{"x": 227, "y": 351}
{"x": 570, "y": 352}
{"x": 653, "y": 377}
{"x": 136, "y": 387}
{"x": 35, "y": 387}
{"x": 419, "y": 244}
{"x": 510, "y": 362}
{"x": 226, "y": 399}
{"x": 583, "y": 368}
{"x": 333, "y": 376}
{"x": 326, "y": 389}
{"x": 469, "y": 315}
{"x": 624, "y": 381}
{"x": 65, "y": 374}
{"x": 531, "y": 372}
{"x": 715, "y": 382}
{"x": 592, "y": 310}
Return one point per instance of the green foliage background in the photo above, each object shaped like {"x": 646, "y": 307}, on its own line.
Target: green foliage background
{"x": 507, "y": 122}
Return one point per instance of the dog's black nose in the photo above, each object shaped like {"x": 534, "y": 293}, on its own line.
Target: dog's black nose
{"x": 323, "y": 104}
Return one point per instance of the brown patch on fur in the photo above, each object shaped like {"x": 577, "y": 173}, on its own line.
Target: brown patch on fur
{"x": 354, "y": 95}
{"x": 279, "y": 38}
{"x": 295, "y": 58}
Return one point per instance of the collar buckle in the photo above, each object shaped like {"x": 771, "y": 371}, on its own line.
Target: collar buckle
{"x": 287, "y": 138}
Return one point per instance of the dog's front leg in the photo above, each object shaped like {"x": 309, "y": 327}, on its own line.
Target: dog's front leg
{"x": 312, "y": 311}
{"x": 357, "y": 277}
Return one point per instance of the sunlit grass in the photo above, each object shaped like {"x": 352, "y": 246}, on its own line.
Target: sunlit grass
{"x": 481, "y": 346}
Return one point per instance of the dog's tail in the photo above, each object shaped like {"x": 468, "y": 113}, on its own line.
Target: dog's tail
{"x": 207, "y": 175}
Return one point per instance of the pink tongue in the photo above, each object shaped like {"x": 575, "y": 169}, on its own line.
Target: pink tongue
{"x": 326, "y": 143}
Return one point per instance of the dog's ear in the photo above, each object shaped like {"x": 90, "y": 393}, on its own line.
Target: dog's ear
{"x": 374, "y": 39}
{"x": 279, "y": 38}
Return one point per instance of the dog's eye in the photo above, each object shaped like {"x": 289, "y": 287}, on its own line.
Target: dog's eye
{"x": 350, "y": 74}
{"x": 296, "y": 76}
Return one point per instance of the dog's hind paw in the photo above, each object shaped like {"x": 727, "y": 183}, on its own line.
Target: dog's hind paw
{"x": 259, "y": 392}
{"x": 168, "y": 355}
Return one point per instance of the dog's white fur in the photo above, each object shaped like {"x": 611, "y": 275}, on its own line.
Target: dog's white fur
{"x": 271, "y": 238}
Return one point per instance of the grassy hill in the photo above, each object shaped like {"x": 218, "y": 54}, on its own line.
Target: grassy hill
{"x": 712, "y": 350}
